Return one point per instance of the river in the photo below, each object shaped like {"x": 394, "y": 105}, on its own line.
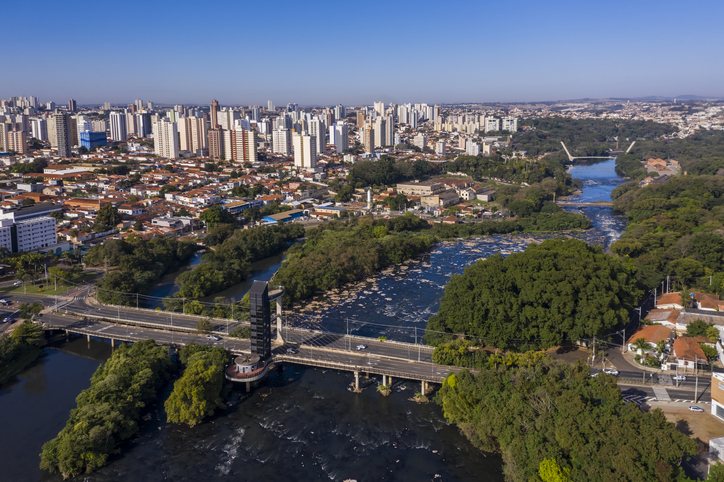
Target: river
{"x": 303, "y": 424}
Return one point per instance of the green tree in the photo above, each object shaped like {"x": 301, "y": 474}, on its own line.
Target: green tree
{"x": 197, "y": 394}
{"x": 712, "y": 334}
{"x": 550, "y": 471}
{"x": 698, "y": 328}
{"x": 216, "y": 215}
{"x": 107, "y": 218}
{"x": 560, "y": 289}
{"x": 138, "y": 225}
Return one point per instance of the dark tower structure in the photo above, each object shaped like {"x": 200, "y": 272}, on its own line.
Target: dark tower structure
{"x": 260, "y": 319}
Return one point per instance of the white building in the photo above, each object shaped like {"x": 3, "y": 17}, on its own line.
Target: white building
{"x": 420, "y": 140}
{"x": 510, "y": 124}
{"x": 319, "y": 131}
{"x": 165, "y": 139}
{"x": 39, "y": 128}
{"x": 305, "y": 151}
{"x": 282, "y": 141}
{"x": 472, "y": 148}
{"x": 339, "y": 136}
{"x": 119, "y": 130}
{"x": 492, "y": 124}
{"x": 28, "y": 228}
{"x": 440, "y": 149}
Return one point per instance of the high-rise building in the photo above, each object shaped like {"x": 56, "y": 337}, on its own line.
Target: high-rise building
{"x": 305, "y": 151}
{"x": 143, "y": 124}
{"x": 193, "y": 135}
{"x": 214, "y": 114}
{"x": 99, "y": 126}
{"x": 319, "y": 131}
{"x": 472, "y": 148}
{"x": 255, "y": 113}
{"x": 243, "y": 145}
{"x": 106, "y": 106}
{"x": 216, "y": 144}
{"x": 60, "y": 135}
{"x": 379, "y": 127}
{"x": 131, "y": 126}
{"x": 282, "y": 141}
{"x": 492, "y": 124}
{"x": 413, "y": 119}
{"x": 440, "y": 148}
{"x": 71, "y": 105}
{"x": 379, "y": 108}
{"x": 368, "y": 139}
{"x": 73, "y": 127}
{"x": 18, "y": 142}
{"x": 269, "y": 106}
{"x": 39, "y": 129}
{"x": 420, "y": 140}
{"x": 138, "y": 103}
{"x": 339, "y": 136}
{"x": 340, "y": 113}
{"x": 165, "y": 139}
{"x": 390, "y": 130}
{"x": 510, "y": 124}
{"x": 360, "y": 120}
{"x": 149, "y": 105}
{"x": 118, "y": 126}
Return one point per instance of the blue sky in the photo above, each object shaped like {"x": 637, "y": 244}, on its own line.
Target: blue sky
{"x": 326, "y": 53}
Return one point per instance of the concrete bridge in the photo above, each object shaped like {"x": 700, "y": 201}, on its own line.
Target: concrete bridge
{"x": 317, "y": 348}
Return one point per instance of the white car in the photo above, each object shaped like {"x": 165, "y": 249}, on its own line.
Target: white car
{"x": 17, "y": 283}
{"x": 8, "y": 319}
{"x": 361, "y": 347}
{"x": 213, "y": 337}
{"x": 291, "y": 351}
{"x": 611, "y": 371}
{"x": 4, "y": 302}
{"x": 694, "y": 408}
{"x": 679, "y": 378}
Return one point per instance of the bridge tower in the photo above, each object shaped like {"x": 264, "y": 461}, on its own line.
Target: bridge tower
{"x": 260, "y": 319}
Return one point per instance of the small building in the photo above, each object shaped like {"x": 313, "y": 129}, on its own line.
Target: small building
{"x": 284, "y": 217}
{"x": 688, "y": 352}
{"x": 653, "y": 334}
{"x": 246, "y": 363}
{"x": 667, "y": 318}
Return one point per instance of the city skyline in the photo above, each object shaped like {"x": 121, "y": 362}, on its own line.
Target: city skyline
{"x": 330, "y": 54}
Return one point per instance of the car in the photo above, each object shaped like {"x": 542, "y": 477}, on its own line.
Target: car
{"x": 595, "y": 374}
{"x": 361, "y": 347}
{"x": 8, "y": 319}
{"x": 291, "y": 351}
{"x": 611, "y": 371}
{"x": 213, "y": 337}
{"x": 4, "y": 302}
{"x": 694, "y": 408}
{"x": 679, "y": 378}
{"x": 17, "y": 283}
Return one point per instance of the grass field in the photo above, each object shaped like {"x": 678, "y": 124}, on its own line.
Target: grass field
{"x": 45, "y": 288}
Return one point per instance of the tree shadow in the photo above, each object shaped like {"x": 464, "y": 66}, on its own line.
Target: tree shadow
{"x": 683, "y": 427}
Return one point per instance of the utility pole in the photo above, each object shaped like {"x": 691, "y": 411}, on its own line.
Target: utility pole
{"x": 136, "y": 300}
{"x": 623, "y": 341}
{"x": 667, "y": 284}
{"x": 696, "y": 371}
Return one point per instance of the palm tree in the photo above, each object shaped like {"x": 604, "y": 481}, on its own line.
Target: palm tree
{"x": 641, "y": 344}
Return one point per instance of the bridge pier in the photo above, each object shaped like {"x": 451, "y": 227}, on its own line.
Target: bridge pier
{"x": 248, "y": 387}
{"x": 356, "y": 380}
{"x": 424, "y": 387}
{"x": 384, "y": 380}
{"x": 113, "y": 343}
{"x": 88, "y": 338}
{"x": 389, "y": 379}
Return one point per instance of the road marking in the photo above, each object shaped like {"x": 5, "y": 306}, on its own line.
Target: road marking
{"x": 662, "y": 394}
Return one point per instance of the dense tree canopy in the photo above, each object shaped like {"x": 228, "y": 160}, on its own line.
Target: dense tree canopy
{"x": 216, "y": 215}
{"x": 107, "y": 218}
{"x": 675, "y": 230}
{"x": 108, "y": 411}
{"x": 139, "y": 264}
{"x": 20, "y": 349}
{"x": 229, "y": 263}
{"x": 197, "y": 394}
{"x": 561, "y": 289}
{"x": 388, "y": 171}
{"x": 552, "y": 410}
